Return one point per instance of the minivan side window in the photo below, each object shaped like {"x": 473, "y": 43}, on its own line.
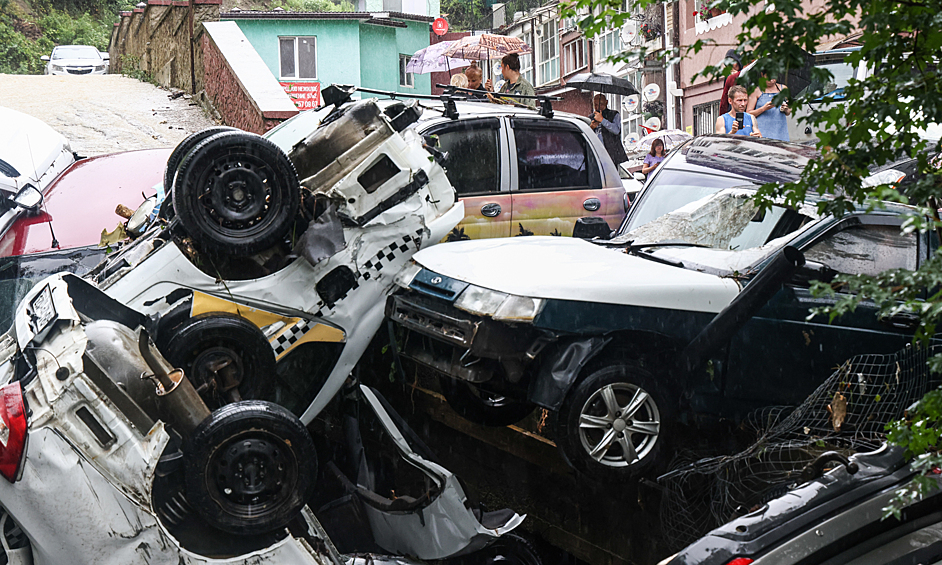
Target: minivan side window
{"x": 551, "y": 158}
{"x": 866, "y": 250}
{"x": 472, "y": 161}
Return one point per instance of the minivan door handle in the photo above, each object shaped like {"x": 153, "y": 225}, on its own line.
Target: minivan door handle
{"x": 592, "y": 204}
{"x": 491, "y": 210}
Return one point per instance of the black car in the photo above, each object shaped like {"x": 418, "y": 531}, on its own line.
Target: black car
{"x": 837, "y": 518}
{"x": 605, "y": 333}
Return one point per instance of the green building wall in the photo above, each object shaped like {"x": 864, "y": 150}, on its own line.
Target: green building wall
{"x": 348, "y": 51}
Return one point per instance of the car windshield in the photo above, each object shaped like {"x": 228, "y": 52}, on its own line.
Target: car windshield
{"x": 76, "y": 52}
{"x": 672, "y": 189}
{"x": 728, "y": 220}
{"x": 841, "y": 70}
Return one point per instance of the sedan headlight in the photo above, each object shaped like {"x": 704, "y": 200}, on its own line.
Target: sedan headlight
{"x": 56, "y": 68}
{"x": 498, "y": 305}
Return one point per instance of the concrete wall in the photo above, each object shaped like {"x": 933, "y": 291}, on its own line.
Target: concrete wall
{"x": 157, "y": 39}
{"x": 348, "y": 51}
{"x": 238, "y": 84}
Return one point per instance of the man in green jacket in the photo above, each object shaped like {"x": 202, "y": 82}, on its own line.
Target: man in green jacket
{"x": 513, "y": 83}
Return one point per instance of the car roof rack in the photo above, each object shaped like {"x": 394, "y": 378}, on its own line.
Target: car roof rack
{"x": 339, "y": 94}
{"x": 546, "y": 102}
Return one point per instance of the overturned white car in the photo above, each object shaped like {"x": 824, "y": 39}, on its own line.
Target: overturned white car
{"x": 109, "y": 456}
{"x": 263, "y": 286}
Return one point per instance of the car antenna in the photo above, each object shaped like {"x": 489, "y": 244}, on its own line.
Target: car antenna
{"x": 42, "y": 197}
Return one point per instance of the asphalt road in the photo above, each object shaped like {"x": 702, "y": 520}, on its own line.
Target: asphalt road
{"x": 104, "y": 114}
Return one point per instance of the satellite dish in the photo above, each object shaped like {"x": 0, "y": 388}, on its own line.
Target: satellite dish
{"x": 651, "y": 92}
{"x": 628, "y": 33}
{"x": 653, "y": 123}
{"x": 631, "y": 103}
{"x": 633, "y": 138}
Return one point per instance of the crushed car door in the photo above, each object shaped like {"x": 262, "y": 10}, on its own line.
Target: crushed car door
{"x": 558, "y": 180}
{"x": 439, "y": 523}
{"x": 475, "y": 163}
{"x": 779, "y": 357}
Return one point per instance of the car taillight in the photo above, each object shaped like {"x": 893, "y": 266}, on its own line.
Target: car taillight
{"x": 13, "y": 426}
{"x": 740, "y": 561}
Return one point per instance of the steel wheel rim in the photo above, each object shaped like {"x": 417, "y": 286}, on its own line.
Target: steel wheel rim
{"x": 619, "y": 425}
{"x": 238, "y": 195}
{"x": 252, "y": 474}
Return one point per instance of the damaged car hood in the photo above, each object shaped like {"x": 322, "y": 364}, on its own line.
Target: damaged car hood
{"x": 572, "y": 269}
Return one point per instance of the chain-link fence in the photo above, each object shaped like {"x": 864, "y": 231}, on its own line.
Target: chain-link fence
{"x": 848, "y": 413}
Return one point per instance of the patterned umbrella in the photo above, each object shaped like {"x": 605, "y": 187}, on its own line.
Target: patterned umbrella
{"x": 432, "y": 59}
{"x": 481, "y": 47}
{"x": 671, "y": 138}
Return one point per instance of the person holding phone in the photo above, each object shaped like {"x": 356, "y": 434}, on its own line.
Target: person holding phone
{"x": 737, "y": 121}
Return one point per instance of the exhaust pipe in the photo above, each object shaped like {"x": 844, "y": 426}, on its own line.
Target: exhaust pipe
{"x": 177, "y": 400}
{"x": 756, "y": 294}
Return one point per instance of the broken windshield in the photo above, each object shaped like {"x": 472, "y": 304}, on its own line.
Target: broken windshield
{"x": 727, "y": 220}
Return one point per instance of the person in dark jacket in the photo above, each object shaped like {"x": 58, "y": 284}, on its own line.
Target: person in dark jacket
{"x": 607, "y": 125}
{"x": 730, "y": 80}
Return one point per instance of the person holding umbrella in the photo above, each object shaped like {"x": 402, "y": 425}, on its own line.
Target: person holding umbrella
{"x": 607, "y": 125}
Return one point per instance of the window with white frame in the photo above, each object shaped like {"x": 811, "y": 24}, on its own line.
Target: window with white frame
{"x": 405, "y": 78}
{"x": 298, "y": 57}
{"x": 526, "y": 61}
{"x": 607, "y": 43}
{"x": 574, "y": 56}
{"x": 549, "y": 52}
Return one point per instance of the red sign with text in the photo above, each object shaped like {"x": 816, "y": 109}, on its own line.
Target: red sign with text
{"x": 306, "y": 95}
{"x": 440, "y": 26}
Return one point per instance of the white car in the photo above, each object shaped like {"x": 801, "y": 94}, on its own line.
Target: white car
{"x": 75, "y": 60}
{"x": 256, "y": 296}
{"x": 110, "y": 457}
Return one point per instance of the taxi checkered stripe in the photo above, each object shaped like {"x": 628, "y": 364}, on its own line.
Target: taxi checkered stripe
{"x": 290, "y": 336}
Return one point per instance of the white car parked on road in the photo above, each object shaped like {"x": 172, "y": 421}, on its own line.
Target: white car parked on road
{"x": 75, "y": 60}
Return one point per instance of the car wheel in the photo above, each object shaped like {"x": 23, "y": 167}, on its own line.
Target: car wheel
{"x": 482, "y": 407}
{"x": 236, "y": 193}
{"x": 225, "y": 356}
{"x": 250, "y": 467}
{"x": 612, "y": 424}
{"x": 176, "y": 157}
{"x": 508, "y": 549}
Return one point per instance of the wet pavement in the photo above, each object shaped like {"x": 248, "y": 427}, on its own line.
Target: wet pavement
{"x": 105, "y": 113}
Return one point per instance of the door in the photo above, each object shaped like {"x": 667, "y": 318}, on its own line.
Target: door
{"x": 780, "y": 357}
{"x": 558, "y": 180}
{"x": 473, "y": 162}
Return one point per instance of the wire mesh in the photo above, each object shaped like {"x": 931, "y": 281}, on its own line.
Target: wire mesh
{"x": 847, "y": 413}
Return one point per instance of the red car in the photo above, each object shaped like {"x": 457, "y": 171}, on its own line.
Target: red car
{"x": 63, "y": 233}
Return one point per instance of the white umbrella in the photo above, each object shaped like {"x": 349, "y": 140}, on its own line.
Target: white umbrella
{"x": 432, "y": 59}
{"x": 671, "y": 138}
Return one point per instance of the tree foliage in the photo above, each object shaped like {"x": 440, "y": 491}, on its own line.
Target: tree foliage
{"x": 881, "y": 119}
{"x": 462, "y": 15}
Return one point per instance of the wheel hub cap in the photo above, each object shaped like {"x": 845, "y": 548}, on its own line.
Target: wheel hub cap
{"x": 619, "y": 425}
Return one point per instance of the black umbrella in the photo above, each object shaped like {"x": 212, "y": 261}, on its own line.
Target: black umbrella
{"x": 602, "y": 83}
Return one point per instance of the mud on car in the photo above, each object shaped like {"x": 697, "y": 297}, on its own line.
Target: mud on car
{"x": 682, "y": 316}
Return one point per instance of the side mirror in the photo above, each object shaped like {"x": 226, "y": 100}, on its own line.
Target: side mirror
{"x": 29, "y": 198}
{"x": 105, "y": 55}
{"x": 589, "y": 227}
{"x": 639, "y": 176}
{"x": 813, "y": 271}
{"x": 45, "y": 57}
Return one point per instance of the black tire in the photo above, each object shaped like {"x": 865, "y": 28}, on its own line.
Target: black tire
{"x": 226, "y": 357}
{"x": 236, "y": 193}
{"x": 589, "y": 423}
{"x": 508, "y": 549}
{"x": 176, "y": 157}
{"x": 482, "y": 407}
{"x": 250, "y": 467}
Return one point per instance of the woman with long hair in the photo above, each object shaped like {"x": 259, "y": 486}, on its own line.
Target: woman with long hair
{"x": 654, "y": 158}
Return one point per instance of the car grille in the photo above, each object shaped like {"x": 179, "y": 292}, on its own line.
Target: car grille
{"x": 431, "y": 323}
{"x": 82, "y": 71}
